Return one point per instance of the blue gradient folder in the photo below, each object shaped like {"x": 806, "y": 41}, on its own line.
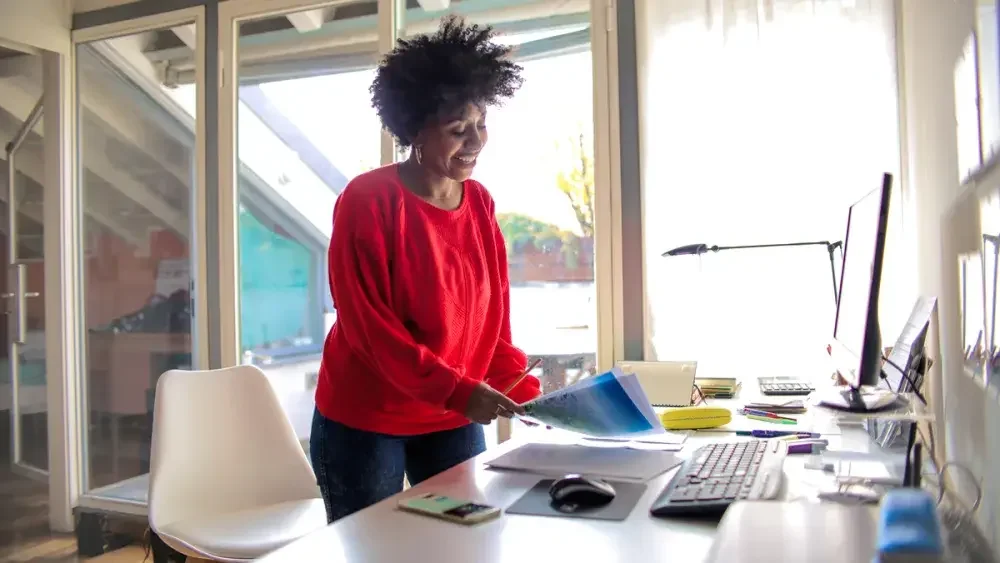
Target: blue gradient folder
{"x": 608, "y": 405}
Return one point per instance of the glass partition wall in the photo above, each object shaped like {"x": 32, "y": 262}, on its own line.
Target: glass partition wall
{"x": 140, "y": 188}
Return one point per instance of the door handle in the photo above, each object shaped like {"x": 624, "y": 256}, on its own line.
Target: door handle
{"x": 17, "y": 320}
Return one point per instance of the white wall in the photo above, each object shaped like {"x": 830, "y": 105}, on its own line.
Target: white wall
{"x": 42, "y": 24}
{"x": 943, "y": 217}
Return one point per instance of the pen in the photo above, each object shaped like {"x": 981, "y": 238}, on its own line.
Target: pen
{"x": 766, "y": 414}
{"x": 533, "y": 365}
{"x": 772, "y": 420}
{"x": 776, "y": 433}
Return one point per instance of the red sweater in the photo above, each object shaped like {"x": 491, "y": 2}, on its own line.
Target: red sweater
{"x": 423, "y": 309}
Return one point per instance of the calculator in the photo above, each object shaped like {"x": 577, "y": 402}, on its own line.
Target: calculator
{"x": 784, "y": 386}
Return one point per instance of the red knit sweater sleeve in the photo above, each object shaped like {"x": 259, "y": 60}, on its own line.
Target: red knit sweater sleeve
{"x": 361, "y": 288}
{"x": 508, "y": 362}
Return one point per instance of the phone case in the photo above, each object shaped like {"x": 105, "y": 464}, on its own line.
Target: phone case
{"x": 451, "y": 509}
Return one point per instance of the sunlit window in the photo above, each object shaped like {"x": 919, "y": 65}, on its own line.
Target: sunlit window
{"x": 761, "y": 126}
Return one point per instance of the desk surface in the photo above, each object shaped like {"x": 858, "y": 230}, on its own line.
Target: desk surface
{"x": 383, "y": 533}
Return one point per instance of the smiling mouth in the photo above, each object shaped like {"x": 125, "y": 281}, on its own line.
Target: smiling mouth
{"x": 467, "y": 159}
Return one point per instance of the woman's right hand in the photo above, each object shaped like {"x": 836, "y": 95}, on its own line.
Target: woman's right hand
{"x": 486, "y": 404}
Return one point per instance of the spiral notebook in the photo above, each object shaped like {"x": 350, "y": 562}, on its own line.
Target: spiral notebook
{"x": 667, "y": 384}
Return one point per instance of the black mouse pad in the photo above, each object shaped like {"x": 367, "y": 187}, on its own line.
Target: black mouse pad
{"x": 536, "y": 502}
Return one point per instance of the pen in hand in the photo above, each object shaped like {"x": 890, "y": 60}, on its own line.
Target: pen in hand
{"x": 533, "y": 365}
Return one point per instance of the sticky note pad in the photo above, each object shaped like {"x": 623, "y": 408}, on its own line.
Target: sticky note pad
{"x": 908, "y": 525}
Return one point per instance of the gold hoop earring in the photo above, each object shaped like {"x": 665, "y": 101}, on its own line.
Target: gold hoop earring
{"x": 418, "y": 153}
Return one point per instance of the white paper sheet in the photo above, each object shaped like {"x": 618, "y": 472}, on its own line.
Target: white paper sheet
{"x": 664, "y": 437}
{"x": 560, "y": 459}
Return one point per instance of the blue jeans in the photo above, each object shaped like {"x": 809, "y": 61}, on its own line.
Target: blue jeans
{"x": 356, "y": 469}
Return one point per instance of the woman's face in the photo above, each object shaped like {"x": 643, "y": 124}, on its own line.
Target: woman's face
{"x": 450, "y": 145}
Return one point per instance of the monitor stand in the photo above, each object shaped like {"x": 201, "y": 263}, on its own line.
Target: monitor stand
{"x": 855, "y": 399}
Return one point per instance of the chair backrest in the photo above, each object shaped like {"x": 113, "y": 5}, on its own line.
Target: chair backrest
{"x": 222, "y": 443}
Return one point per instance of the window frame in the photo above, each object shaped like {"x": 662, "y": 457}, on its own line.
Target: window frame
{"x": 604, "y": 47}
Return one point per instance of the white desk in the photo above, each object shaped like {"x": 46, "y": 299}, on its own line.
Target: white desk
{"x": 383, "y": 533}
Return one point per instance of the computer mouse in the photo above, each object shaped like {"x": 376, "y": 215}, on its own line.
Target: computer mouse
{"x": 577, "y": 491}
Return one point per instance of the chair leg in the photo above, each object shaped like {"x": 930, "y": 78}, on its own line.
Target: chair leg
{"x": 163, "y": 553}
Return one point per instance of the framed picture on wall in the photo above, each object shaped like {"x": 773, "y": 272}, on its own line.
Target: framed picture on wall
{"x": 988, "y": 73}
{"x": 974, "y": 339}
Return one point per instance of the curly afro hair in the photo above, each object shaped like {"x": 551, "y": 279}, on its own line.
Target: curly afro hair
{"x": 429, "y": 75}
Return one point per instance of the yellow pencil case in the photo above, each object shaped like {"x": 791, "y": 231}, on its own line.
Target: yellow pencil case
{"x": 695, "y": 418}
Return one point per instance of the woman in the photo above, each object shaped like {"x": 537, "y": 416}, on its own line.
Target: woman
{"x": 421, "y": 354}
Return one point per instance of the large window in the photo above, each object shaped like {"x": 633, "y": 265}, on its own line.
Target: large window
{"x": 304, "y": 129}
{"x": 539, "y": 167}
{"x": 761, "y": 123}
{"x": 543, "y": 185}
{"x": 305, "y": 126}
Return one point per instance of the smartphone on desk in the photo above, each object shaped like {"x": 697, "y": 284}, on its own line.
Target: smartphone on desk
{"x": 451, "y": 509}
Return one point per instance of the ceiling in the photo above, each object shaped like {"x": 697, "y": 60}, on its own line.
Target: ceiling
{"x": 344, "y": 37}
{"x": 91, "y": 5}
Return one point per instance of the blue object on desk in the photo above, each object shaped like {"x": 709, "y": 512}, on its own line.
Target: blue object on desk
{"x": 776, "y": 433}
{"x": 908, "y": 525}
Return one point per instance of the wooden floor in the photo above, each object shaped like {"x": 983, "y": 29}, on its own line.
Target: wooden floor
{"x": 24, "y": 527}
{"x": 24, "y": 509}
{"x": 64, "y": 550}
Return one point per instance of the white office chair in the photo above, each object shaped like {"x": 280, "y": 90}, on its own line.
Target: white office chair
{"x": 228, "y": 480}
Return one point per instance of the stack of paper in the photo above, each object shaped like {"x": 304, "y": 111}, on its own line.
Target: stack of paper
{"x": 610, "y": 404}
{"x": 718, "y": 387}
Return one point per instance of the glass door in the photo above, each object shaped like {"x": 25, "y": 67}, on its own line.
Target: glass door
{"x": 25, "y": 312}
{"x": 23, "y": 361}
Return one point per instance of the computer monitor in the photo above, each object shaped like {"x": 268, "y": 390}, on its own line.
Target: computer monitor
{"x": 908, "y": 352}
{"x": 856, "y": 347}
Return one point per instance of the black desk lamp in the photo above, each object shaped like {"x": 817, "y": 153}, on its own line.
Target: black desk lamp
{"x": 696, "y": 249}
